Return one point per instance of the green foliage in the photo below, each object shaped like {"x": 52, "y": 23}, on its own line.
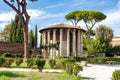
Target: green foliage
{"x": 92, "y": 60}
{"x": 5, "y": 33}
{"x": 1, "y": 61}
{"x": 64, "y": 61}
{"x": 7, "y": 55}
{"x": 73, "y": 68}
{"x": 16, "y": 31}
{"x": 31, "y": 39}
{"x": 40, "y": 64}
{"x": 94, "y": 46}
{"x": 116, "y": 75}
{"x": 35, "y": 37}
{"x": 90, "y": 18}
{"x": 69, "y": 68}
{"x": 76, "y": 69}
{"x": 52, "y": 63}
{"x": 104, "y": 34}
{"x": 8, "y": 62}
{"x": 4, "y": 78}
{"x": 30, "y": 62}
{"x": 8, "y": 74}
{"x": 19, "y": 61}
{"x": 78, "y": 59}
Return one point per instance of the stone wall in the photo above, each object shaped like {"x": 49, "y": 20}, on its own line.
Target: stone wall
{"x": 11, "y": 47}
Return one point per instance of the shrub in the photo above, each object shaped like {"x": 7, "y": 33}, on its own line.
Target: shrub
{"x": 76, "y": 69}
{"x": 52, "y": 63}
{"x": 69, "y": 68}
{"x": 39, "y": 56}
{"x": 116, "y": 75}
{"x": 1, "y": 61}
{"x": 30, "y": 62}
{"x": 78, "y": 59}
{"x": 92, "y": 60}
{"x": 8, "y": 55}
{"x": 8, "y": 62}
{"x": 101, "y": 60}
{"x": 64, "y": 61}
{"x": 40, "y": 64}
{"x": 58, "y": 65}
{"x": 19, "y": 61}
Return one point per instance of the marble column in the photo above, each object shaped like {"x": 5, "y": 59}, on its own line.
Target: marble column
{"x": 74, "y": 43}
{"x": 81, "y": 42}
{"x": 61, "y": 39}
{"x": 43, "y": 44}
{"x": 54, "y": 42}
{"x": 48, "y": 41}
{"x": 78, "y": 43}
{"x": 68, "y": 42}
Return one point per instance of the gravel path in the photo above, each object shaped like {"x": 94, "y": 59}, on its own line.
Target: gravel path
{"x": 99, "y": 72}
{"x": 32, "y": 70}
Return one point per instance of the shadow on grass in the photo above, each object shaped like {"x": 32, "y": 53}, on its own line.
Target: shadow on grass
{"x": 11, "y": 74}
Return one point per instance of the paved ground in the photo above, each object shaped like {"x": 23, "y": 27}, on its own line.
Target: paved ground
{"x": 99, "y": 72}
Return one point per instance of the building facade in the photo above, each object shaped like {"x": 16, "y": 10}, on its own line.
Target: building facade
{"x": 115, "y": 41}
{"x": 68, "y": 37}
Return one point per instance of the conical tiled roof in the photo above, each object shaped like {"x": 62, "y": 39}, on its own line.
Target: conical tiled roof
{"x": 61, "y": 25}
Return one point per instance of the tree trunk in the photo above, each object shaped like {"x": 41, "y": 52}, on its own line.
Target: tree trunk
{"x": 26, "y": 48}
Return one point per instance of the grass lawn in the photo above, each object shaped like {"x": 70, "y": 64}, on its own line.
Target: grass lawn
{"x": 6, "y": 75}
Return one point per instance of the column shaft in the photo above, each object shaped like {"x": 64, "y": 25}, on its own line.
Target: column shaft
{"x": 48, "y": 40}
{"x": 81, "y": 42}
{"x": 54, "y": 41}
{"x": 61, "y": 39}
{"x": 78, "y": 44}
{"x": 74, "y": 43}
{"x": 68, "y": 42}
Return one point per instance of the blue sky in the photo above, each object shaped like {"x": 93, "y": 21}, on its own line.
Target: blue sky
{"x": 49, "y": 12}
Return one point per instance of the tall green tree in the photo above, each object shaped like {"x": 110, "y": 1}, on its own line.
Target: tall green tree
{"x": 4, "y": 34}
{"x": 35, "y": 37}
{"x": 16, "y": 31}
{"x": 89, "y": 17}
{"x": 104, "y": 33}
{"x": 31, "y": 39}
{"x": 20, "y": 7}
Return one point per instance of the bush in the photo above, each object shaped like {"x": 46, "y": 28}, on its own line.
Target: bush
{"x": 116, "y": 75}
{"x": 19, "y": 61}
{"x": 101, "y": 60}
{"x": 76, "y": 69}
{"x": 8, "y": 55}
{"x": 30, "y": 62}
{"x": 52, "y": 63}
{"x": 69, "y": 68}
{"x": 40, "y": 64}
{"x": 8, "y": 62}
{"x": 1, "y": 61}
{"x": 78, "y": 59}
{"x": 58, "y": 65}
{"x": 92, "y": 60}
{"x": 64, "y": 61}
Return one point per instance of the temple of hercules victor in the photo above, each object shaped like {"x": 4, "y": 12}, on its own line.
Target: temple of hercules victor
{"x": 62, "y": 40}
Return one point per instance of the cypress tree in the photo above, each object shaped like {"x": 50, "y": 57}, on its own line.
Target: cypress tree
{"x": 31, "y": 39}
{"x": 35, "y": 37}
{"x": 16, "y": 32}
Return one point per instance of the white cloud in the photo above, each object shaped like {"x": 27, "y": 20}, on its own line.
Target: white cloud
{"x": 35, "y": 13}
{"x": 2, "y": 25}
{"x": 47, "y": 15}
{"x": 54, "y": 6}
{"x": 7, "y": 16}
{"x": 113, "y": 20}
